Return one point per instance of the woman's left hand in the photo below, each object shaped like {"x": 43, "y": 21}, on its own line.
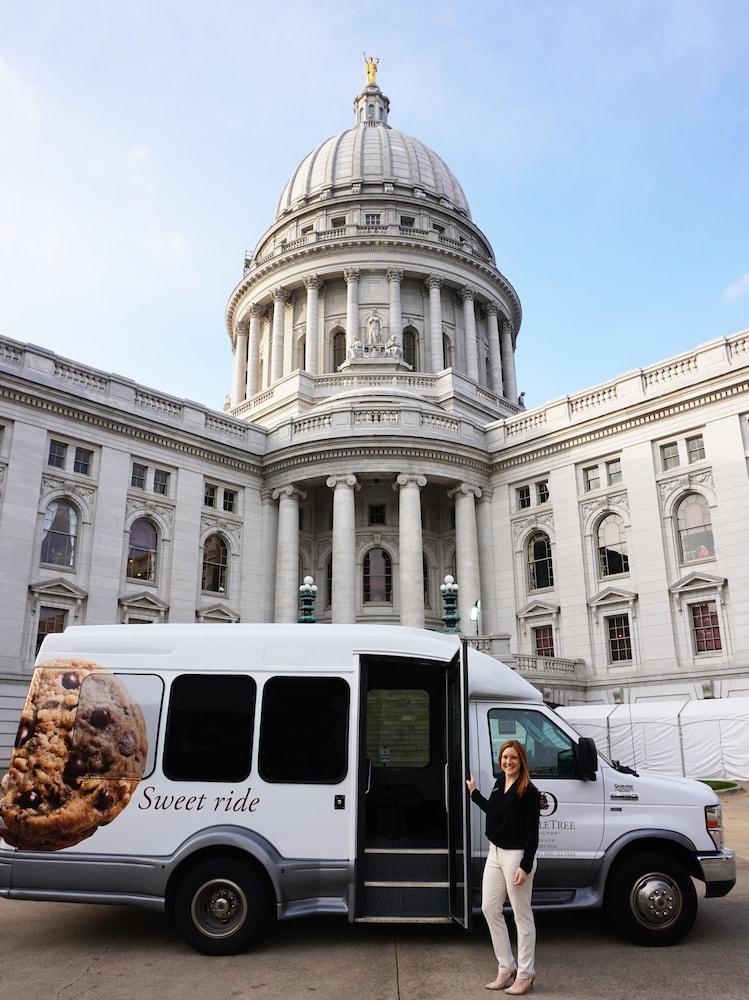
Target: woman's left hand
{"x": 520, "y": 877}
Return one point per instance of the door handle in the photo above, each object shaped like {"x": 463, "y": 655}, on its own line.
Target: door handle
{"x": 369, "y": 776}
{"x": 447, "y": 786}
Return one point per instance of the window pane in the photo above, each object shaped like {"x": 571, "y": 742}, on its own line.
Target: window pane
{"x": 695, "y": 449}
{"x": 214, "y": 564}
{"x": 398, "y": 728}
{"x": 540, "y": 570}
{"x": 141, "y": 557}
{"x": 550, "y": 751}
{"x": 612, "y": 547}
{"x": 695, "y": 528}
{"x": 56, "y": 456}
{"x": 209, "y": 729}
{"x": 339, "y": 349}
{"x": 542, "y": 491}
{"x": 138, "y": 477}
{"x": 160, "y": 482}
{"x": 614, "y": 471}
{"x": 705, "y": 627}
{"x": 59, "y": 532}
{"x": 524, "y": 497}
{"x": 377, "y": 513}
{"x": 304, "y": 730}
{"x": 409, "y": 348}
{"x": 230, "y": 501}
{"x": 543, "y": 640}
{"x": 620, "y": 644}
{"x": 670, "y": 455}
{"x": 591, "y": 478}
{"x": 209, "y": 495}
{"x": 82, "y": 462}
{"x": 377, "y": 577}
{"x": 51, "y": 620}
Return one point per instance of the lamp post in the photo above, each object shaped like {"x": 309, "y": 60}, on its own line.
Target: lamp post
{"x": 307, "y": 596}
{"x": 450, "y": 616}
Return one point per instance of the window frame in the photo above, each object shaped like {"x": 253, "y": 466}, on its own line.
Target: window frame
{"x": 713, "y": 626}
{"x": 154, "y": 561}
{"x": 144, "y": 478}
{"x": 531, "y": 564}
{"x": 54, "y": 443}
{"x": 689, "y": 442}
{"x": 613, "y": 660}
{"x": 78, "y": 460}
{"x": 670, "y": 457}
{"x": 72, "y": 537}
{"x": 574, "y": 776}
{"x": 545, "y": 627}
{"x": 161, "y": 486}
{"x": 59, "y": 611}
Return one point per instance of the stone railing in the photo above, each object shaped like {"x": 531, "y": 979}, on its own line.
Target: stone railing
{"x": 482, "y": 643}
{"x": 434, "y": 420}
{"x": 591, "y": 400}
{"x": 222, "y": 426}
{"x": 310, "y": 424}
{"x": 670, "y": 371}
{"x": 516, "y": 426}
{"x": 376, "y": 417}
{"x": 150, "y": 401}
{"x": 527, "y": 664}
{"x": 80, "y": 377}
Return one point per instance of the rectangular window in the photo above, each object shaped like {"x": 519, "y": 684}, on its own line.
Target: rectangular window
{"x": 440, "y": 230}
{"x": 543, "y": 640}
{"x": 669, "y": 455}
{"x": 301, "y": 518}
{"x": 306, "y": 230}
{"x": 161, "y": 482}
{"x": 57, "y": 452}
{"x": 377, "y": 513}
{"x": 524, "y": 497}
{"x": 230, "y": 501}
{"x": 50, "y": 620}
{"x": 371, "y": 218}
{"x": 407, "y": 221}
{"x": 614, "y": 471}
{"x": 695, "y": 449}
{"x": 138, "y": 476}
{"x": 550, "y": 751}
{"x": 82, "y": 461}
{"x": 209, "y": 495}
{"x": 542, "y": 491}
{"x": 304, "y": 730}
{"x": 209, "y": 728}
{"x": 398, "y": 728}
{"x": 591, "y": 478}
{"x": 705, "y": 627}
{"x": 338, "y": 223}
{"x": 620, "y": 642}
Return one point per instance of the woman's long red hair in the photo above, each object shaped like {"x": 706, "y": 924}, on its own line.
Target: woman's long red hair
{"x": 524, "y": 778}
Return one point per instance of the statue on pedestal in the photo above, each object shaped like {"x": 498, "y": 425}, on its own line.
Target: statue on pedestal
{"x": 370, "y": 67}
{"x": 356, "y": 350}
{"x": 393, "y": 349}
{"x": 374, "y": 329}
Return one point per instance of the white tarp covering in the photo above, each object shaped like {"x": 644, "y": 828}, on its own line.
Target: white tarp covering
{"x": 699, "y": 739}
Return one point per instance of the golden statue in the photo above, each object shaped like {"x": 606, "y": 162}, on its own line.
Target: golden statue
{"x": 370, "y": 65}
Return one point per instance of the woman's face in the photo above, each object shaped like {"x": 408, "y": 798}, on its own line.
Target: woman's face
{"x": 510, "y": 762}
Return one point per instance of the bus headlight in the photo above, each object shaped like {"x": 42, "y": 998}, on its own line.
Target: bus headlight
{"x": 714, "y": 824}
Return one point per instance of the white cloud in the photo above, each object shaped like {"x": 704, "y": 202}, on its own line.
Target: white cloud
{"x": 737, "y": 289}
{"x": 139, "y": 153}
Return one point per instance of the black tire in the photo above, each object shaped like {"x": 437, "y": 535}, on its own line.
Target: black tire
{"x": 221, "y": 907}
{"x": 651, "y": 900}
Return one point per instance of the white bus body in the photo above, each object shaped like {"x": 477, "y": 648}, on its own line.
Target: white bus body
{"x": 297, "y": 769}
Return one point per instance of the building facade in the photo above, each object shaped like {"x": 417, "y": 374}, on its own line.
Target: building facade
{"x": 373, "y": 440}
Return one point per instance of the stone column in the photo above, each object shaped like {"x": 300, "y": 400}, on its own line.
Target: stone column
{"x": 469, "y": 324}
{"x": 351, "y": 277}
{"x": 485, "y": 536}
{"x": 343, "y": 604}
{"x": 240, "y": 366}
{"x": 434, "y": 284}
{"x": 287, "y": 553}
{"x": 411, "y": 578}
{"x": 495, "y": 358}
{"x": 276, "y": 349}
{"x": 395, "y": 276}
{"x": 253, "y": 351}
{"x": 508, "y": 363}
{"x": 268, "y": 540}
{"x": 467, "y": 552}
{"x": 312, "y": 284}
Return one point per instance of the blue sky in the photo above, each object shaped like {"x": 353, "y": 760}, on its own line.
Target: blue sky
{"x": 603, "y": 147}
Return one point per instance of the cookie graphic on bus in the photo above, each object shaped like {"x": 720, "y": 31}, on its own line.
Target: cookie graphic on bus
{"x": 79, "y": 753}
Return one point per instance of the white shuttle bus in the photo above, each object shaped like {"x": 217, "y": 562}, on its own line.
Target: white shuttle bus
{"x": 232, "y": 775}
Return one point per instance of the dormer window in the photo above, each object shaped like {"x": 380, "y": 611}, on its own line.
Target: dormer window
{"x": 372, "y": 219}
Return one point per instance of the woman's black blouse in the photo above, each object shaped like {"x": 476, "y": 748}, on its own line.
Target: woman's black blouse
{"x": 512, "y": 819}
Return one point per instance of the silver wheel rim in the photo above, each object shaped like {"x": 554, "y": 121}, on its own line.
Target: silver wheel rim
{"x": 219, "y": 908}
{"x": 656, "y": 901}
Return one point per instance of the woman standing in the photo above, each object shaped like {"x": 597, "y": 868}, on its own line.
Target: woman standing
{"x": 512, "y": 813}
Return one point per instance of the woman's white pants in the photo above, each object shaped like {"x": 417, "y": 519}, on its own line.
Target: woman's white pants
{"x": 497, "y": 885}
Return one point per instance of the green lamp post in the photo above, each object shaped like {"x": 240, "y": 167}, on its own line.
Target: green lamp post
{"x": 307, "y": 597}
{"x": 450, "y": 616}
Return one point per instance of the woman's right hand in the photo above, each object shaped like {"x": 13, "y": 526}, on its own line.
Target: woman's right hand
{"x": 471, "y": 784}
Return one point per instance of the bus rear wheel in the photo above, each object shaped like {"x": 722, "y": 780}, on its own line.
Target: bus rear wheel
{"x": 221, "y": 907}
{"x": 651, "y": 899}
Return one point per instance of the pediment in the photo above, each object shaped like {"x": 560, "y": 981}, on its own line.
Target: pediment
{"x": 59, "y": 587}
{"x": 612, "y": 595}
{"x": 697, "y": 581}
{"x": 538, "y": 608}
{"x": 143, "y": 601}
{"x": 218, "y": 613}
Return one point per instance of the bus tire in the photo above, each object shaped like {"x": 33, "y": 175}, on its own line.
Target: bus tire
{"x": 221, "y": 907}
{"x": 651, "y": 899}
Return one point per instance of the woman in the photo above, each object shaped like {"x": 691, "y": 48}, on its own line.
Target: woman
{"x": 512, "y": 813}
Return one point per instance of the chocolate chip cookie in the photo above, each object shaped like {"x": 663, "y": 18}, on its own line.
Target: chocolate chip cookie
{"x": 80, "y": 751}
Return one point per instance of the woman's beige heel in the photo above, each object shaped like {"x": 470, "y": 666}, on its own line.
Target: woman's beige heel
{"x": 523, "y": 984}
{"x": 504, "y": 978}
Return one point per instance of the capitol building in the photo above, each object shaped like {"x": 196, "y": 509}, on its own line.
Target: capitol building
{"x": 373, "y": 439}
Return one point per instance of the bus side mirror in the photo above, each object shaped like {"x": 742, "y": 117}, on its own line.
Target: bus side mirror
{"x": 587, "y": 758}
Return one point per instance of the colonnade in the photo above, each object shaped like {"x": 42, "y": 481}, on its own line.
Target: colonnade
{"x": 248, "y": 333}
{"x": 473, "y": 542}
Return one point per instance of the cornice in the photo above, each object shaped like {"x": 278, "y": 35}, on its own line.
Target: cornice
{"x": 351, "y": 245}
{"x": 649, "y": 414}
{"x": 356, "y": 451}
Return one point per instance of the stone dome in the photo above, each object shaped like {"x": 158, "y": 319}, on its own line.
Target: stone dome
{"x": 371, "y": 157}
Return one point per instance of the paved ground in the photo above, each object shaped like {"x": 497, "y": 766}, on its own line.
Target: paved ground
{"x": 64, "y": 952}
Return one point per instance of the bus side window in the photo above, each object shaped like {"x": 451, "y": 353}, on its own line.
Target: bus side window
{"x": 304, "y": 730}
{"x": 550, "y": 751}
{"x": 209, "y": 728}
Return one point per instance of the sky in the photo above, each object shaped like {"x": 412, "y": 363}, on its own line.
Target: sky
{"x": 603, "y": 146}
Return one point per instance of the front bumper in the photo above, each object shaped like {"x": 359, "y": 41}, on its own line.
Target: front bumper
{"x": 718, "y": 872}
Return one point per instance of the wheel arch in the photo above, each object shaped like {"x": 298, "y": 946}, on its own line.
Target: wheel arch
{"x": 670, "y": 842}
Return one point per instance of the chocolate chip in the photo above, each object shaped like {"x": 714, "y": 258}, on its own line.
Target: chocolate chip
{"x": 104, "y": 800}
{"x": 126, "y": 745}
{"x": 71, "y": 680}
{"x": 30, "y": 800}
{"x": 100, "y": 718}
{"x": 74, "y": 769}
{"x": 25, "y": 732}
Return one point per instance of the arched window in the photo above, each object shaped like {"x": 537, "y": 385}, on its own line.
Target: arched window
{"x": 215, "y": 554}
{"x": 301, "y": 353}
{"x": 695, "y": 528}
{"x": 141, "y": 555}
{"x": 447, "y": 351}
{"x": 488, "y": 374}
{"x": 409, "y": 346}
{"x": 425, "y": 566}
{"x": 612, "y": 547}
{"x": 329, "y": 583}
{"x": 540, "y": 569}
{"x": 60, "y": 530}
{"x": 339, "y": 349}
{"x": 377, "y": 577}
